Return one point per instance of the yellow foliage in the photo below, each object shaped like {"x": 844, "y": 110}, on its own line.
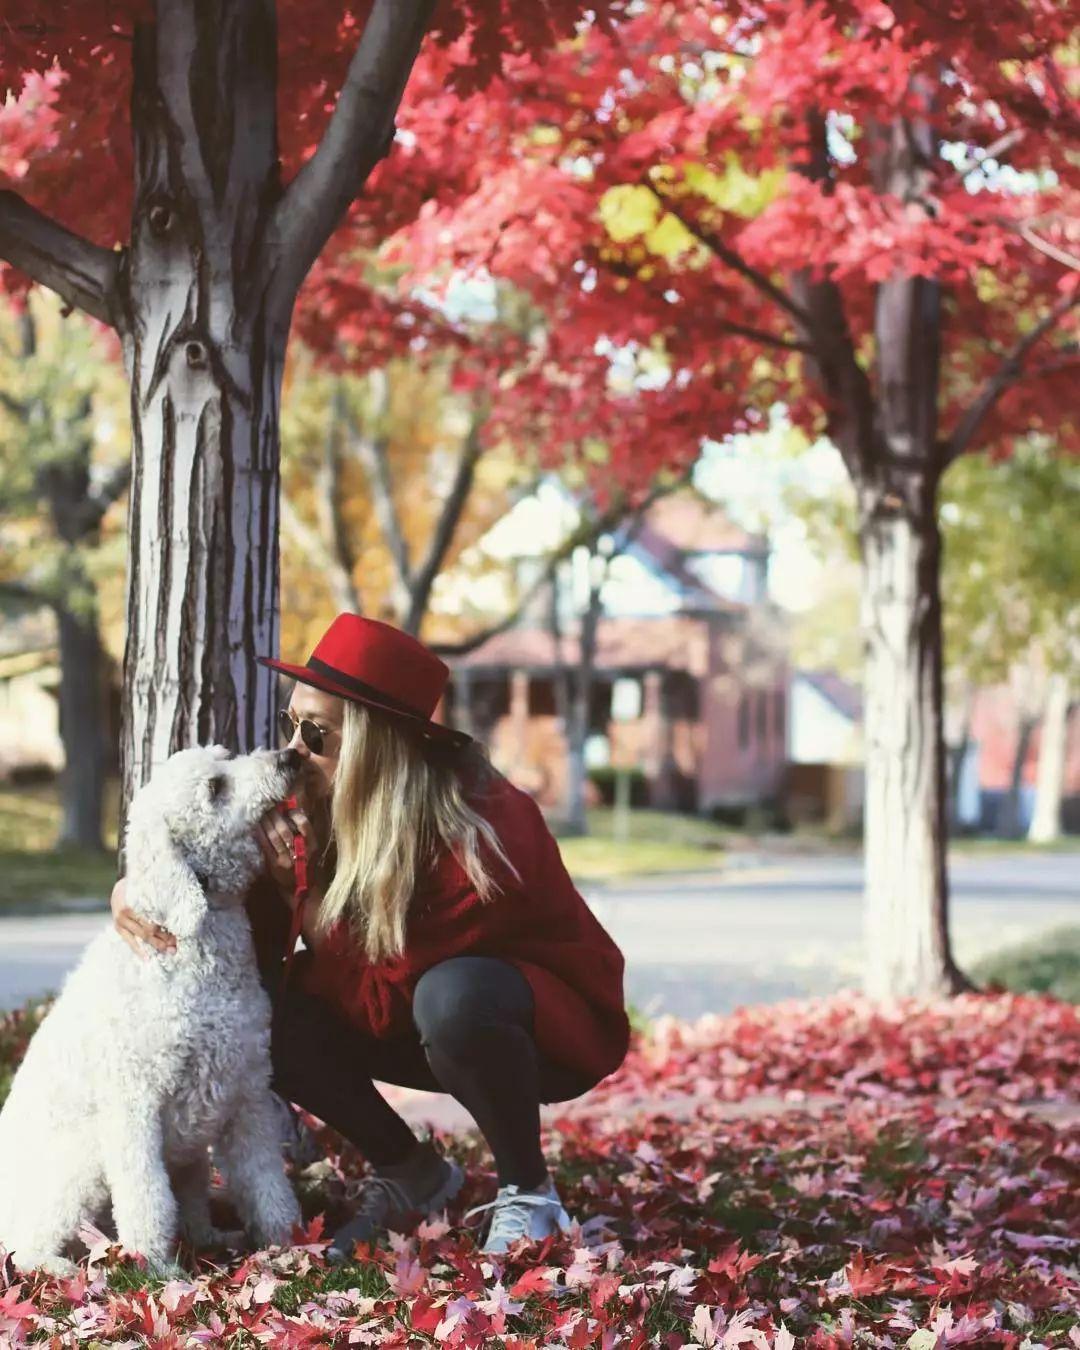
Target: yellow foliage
{"x": 733, "y": 189}
{"x": 670, "y": 238}
{"x": 628, "y": 210}
{"x": 424, "y": 423}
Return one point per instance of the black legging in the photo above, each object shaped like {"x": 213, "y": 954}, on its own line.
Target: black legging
{"x": 473, "y": 1038}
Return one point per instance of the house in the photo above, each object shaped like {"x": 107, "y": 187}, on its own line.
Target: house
{"x": 29, "y": 706}
{"x": 690, "y": 673}
{"x": 996, "y": 736}
{"x": 824, "y": 780}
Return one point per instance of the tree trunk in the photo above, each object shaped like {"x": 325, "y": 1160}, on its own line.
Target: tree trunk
{"x": 897, "y": 466}
{"x": 202, "y": 301}
{"x": 205, "y": 357}
{"x": 1011, "y": 823}
{"x": 82, "y": 728}
{"x": 907, "y": 941}
{"x": 959, "y": 744}
{"x": 576, "y": 813}
{"x": 1050, "y": 774}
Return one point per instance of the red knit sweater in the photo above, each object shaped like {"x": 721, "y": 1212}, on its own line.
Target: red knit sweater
{"x": 540, "y": 924}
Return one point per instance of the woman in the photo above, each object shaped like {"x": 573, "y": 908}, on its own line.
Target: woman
{"x": 445, "y": 946}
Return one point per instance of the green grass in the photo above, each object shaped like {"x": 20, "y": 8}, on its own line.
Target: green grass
{"x": 34, "y": 872}
{"x": 1049, "y": 964}
{"x": 659, "y": 841}
{"x": 47, "y": 879}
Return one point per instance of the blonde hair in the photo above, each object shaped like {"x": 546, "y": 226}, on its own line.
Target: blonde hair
{"x": 398, "y": 802}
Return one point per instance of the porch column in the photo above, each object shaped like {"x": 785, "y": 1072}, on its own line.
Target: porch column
{"x": 656, "y": 747}
{"x": 519, "y": 713}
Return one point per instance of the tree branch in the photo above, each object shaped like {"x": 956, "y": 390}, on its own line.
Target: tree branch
{"x": 1061, "y": 255}
{"x": 993, "y": 151}
{"x": 761, "y": 335}
{"x": 1006, "y": 375}
{"x": 342, "y": 586}
{"x": 328, "y": 498}
{"x": 22, "y": 594}
{"x": 453, "y": 507}
{"x": 371, "y": 452}
{"x": 82, "y": 274}
{"x": 731, "y": 257}
{"x": 89, "y": 514}
{"x": 585, "y": 535}
{"x": 360, "y": 132}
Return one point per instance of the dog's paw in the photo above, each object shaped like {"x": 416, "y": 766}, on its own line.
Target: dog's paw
{"x": 167, "y": 1270}
{"x": 235, "y": 1239}
{"x": 59, "y": 1266}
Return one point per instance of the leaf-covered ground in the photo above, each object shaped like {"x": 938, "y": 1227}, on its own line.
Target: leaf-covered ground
{"x": 928, "y": 1204}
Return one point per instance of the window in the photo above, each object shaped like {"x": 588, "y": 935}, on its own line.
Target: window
{"x": 779, "y": 712}
{"x": 762, "y": 716}
{"x": 744, "y": 720}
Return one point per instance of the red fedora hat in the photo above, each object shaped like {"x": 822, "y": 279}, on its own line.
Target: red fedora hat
{"x": 369, "y": 662}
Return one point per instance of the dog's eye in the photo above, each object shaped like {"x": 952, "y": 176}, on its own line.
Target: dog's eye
{"x": 218, "y": 787}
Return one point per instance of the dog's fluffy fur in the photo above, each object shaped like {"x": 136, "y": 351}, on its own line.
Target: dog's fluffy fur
{"x": 144, "y": 1063}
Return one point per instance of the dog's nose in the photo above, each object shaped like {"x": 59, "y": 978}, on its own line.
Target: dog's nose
{"x": 291, "y": 759}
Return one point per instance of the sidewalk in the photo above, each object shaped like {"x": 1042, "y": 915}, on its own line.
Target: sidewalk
{"x": 439, "y": 1112}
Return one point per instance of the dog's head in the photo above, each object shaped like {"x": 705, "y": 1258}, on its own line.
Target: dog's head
{"x": 191, "y": 833}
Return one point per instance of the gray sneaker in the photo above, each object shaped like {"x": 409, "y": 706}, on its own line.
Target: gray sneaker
{"x": 517, "y": 1214}
{"x": 397, "y": 1197}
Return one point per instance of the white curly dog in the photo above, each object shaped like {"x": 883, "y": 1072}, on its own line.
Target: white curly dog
{"x": 144, "y": 1063}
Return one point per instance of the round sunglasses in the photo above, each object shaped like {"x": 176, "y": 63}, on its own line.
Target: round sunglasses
{"x": 313, "y": 735}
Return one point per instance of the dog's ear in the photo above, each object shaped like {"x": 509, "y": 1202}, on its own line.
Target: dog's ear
{"x": 161, "y": 885}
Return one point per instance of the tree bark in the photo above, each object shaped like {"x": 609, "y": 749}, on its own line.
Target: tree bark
{"x": 82, "y": 728}
{"x": 205, "y": 358}
{"x": 907, "y": 936}
{"x": 202, "y": 300}
{"x": 1050, "y": 774}
{"x": 887, "y": 431}
{"x": 76, "y": 510}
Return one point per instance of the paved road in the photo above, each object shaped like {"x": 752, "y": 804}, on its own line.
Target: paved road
{"x": 706, "y": 943}
{"x": 794, "y": 927}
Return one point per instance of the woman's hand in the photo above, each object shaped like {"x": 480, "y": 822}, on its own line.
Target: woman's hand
{"x": 135, "y": 931}
{"x": 276, "y": 833}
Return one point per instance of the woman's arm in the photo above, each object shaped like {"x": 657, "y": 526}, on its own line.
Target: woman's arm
{"x": 137, "y": 933}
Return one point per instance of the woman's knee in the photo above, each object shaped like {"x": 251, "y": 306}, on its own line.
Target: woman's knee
{"x": 468, "y": 998}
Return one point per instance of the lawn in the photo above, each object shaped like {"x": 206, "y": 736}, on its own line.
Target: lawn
{"x": 1048, "y": 964}
{"x": 34, "y": 873}
{"x": 657, "y": 841}
{"x": 925, "y": 1207}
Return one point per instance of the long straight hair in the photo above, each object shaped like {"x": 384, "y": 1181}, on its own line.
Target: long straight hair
{"x": 398, "y": 802}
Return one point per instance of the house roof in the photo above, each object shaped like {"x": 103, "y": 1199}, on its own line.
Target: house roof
{"x": 686, "y": 524}
{"x": 845, "y": 697}
{"x": 693, "y": 524}
{"x": 670, "y": 642}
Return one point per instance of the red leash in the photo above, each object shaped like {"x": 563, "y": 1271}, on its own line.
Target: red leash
{"x": 300, "y": 872}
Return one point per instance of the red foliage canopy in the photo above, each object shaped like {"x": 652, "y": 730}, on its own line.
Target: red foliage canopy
{"x": 66, "y": 143}
{"x": 674, "y": 184}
